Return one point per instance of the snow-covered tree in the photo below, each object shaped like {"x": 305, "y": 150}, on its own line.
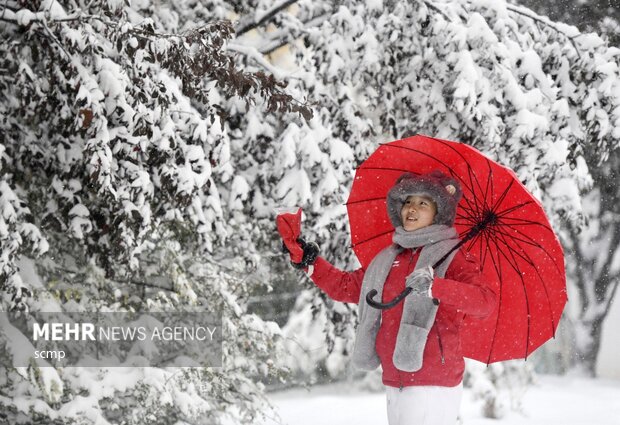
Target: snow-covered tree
{"x": 594, "y": 263}
{"x": 113, "y": 143}
{"x": 594, "y": 260}
{"x": 599, "y": 16}
{"x": 538, "y": 96}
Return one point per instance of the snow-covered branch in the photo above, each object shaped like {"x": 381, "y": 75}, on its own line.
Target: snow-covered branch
{"x": 264, "y": 17}
{"x": 25, "y": 18}
{"x": 570, "y": 32}
{"x": 257, "y": 56}
{"x": 284, "y": 37}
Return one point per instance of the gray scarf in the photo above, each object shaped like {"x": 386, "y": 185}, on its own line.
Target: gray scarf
{"x": 418, "y": 311}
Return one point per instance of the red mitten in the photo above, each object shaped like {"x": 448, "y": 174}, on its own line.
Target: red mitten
{"x": 289, "y": 227}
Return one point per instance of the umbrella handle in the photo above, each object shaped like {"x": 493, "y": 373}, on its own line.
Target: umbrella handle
{"x": 390, "y": 304}
{"x": 490, "y": 218}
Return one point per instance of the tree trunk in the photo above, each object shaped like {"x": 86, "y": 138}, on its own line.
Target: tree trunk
{"x": 587, "y": 351}
{"x": 590, "y": 264}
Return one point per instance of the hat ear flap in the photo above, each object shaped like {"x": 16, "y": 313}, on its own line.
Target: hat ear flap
{"x": 451, "y": 185}
{"x": 404, "y": 177}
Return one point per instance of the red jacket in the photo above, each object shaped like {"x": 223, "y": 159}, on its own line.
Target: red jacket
{"x": 461, "y": 292}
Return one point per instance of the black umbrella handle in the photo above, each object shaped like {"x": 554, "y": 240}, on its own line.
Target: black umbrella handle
{"x": 390, "y": 304}
{"x": 408, "y": 289}
{"x": 489, "y": 219}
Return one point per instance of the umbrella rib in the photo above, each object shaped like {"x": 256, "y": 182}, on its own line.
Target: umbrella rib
{"x": 417, "y": 151}
{"x": 472, "y": 213}
{"x": 525, "y": 222}
{"x": 490, "y": 185}
{"x": 472, "y": 208}
{"x": 472, "y": 179}
{"x": 480, "y": 205}
{"x": 472, "y": 217}
{"x": 385, "y": 168}
{"x": 472, "y": 242}
{"x": 504, "y": 237}
{"x": 370, "y": 239}
{"x": 527, "y": 305}
{"x": 483, "y": 256}
{"x": 365, "y": 200}
{"x": 501, "y": 199}
{"x": 500, "y": 228}
{"x": 390, "y": 145}
{"x": 536, "y": 244}
{"x": 475, "y": 207}
{"x": 463, "y": 182}
{"x": 498, "y": 272}
{"x": 465, "y": 161}
{"x": 525, "y": 256}
{"x": 515, "y": 266}
{"x": 464, "y": 220}
{"x": 507, "y": 211}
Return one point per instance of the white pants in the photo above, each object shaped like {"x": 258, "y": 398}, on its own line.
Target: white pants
{"x": 423, "y": 405}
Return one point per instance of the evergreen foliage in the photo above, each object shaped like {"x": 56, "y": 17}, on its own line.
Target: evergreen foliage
{"x": 112, "y": 138}
{"x": 141, "y": 160}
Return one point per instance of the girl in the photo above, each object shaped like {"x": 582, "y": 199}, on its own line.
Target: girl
{"x": 417, "y": 342}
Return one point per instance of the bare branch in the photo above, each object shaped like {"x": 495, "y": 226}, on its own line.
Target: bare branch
{"x": 40, "y": 17}
{"x": 266, "y": 17}
{"x": 437, "y": 9}
{"x": 579, "y": 259}
{"x": 58, "y": 43}
{"x": 276, "y": 43}
{"x": 258, "y": 57}
{"x": 615, "y": 284}
{"x": 133, "y": 282}
{"x": 607, "y": 279}
{"x": 524, "y": 12}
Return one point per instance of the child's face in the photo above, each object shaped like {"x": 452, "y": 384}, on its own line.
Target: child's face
{"x": 417, "y": 212}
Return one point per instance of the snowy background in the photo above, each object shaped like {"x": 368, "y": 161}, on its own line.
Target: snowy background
{"x": 145, "y": 146}
{"x": 551, "y": 401}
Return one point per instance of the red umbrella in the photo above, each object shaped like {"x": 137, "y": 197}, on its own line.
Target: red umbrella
{"x": 513, "y": 240}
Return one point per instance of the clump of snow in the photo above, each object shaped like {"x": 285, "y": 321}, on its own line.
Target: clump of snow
{"x": 294, "y": 188}
{"x": 238, "y": 193}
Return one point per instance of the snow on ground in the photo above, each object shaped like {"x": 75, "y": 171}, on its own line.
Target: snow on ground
{"x": 552, "y": 401}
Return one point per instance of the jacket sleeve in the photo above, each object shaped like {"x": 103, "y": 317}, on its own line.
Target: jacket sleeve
{"x": 337, "y": 284}
{"x": 464, "y": 287}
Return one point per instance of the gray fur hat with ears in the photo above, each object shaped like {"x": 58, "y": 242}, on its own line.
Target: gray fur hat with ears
{"x": 444, "y": 190}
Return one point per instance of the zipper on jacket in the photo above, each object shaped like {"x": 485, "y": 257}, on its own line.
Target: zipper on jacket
{"x": 443, "y": 359}
{"x": 400, "y": 382}
{"x": 413, "y": 251}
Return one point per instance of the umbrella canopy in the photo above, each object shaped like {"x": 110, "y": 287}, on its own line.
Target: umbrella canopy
{"x": 520, "y": 254}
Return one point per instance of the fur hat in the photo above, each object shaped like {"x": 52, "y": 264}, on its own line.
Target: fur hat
{"x": 442, "y": 189}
